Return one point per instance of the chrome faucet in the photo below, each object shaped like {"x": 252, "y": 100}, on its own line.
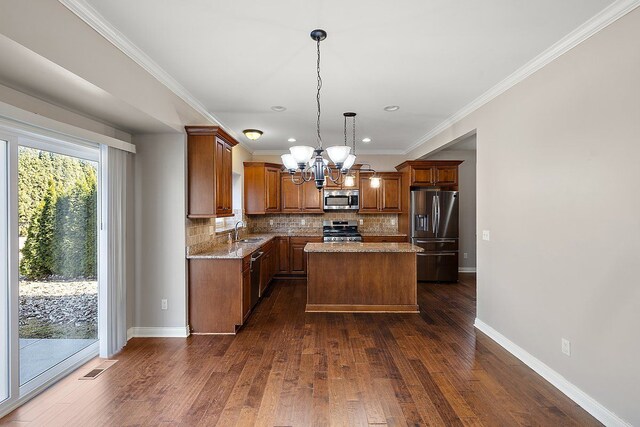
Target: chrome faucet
{"x": 235, "y": 228}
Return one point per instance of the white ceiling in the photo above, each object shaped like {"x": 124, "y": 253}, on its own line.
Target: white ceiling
{"x": 239, "y": 58}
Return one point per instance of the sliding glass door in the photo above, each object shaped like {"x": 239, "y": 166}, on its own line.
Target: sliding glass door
{"x": 48, "y": 276}
{"x": 58, "y": 287}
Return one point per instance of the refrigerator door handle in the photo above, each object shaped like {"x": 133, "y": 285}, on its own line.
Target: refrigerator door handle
{"x": 437, "y": 214}
{"x": 433, "y": 215}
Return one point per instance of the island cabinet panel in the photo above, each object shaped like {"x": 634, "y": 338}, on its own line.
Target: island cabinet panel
{"x": 386, "y": 198}
{"x": 209, "y": 161}
{"x": 261, "y": 188}
{"x": 362, "y": 281}
{"x": 297, "y": 259}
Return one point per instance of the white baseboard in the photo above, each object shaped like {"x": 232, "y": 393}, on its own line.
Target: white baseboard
{"x": 166, "y": 332}
{"x": 466, "y": 269}
{"x": 588, "y": 403}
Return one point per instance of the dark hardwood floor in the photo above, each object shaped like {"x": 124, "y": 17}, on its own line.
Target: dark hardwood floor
{"x": 290, "y": 368}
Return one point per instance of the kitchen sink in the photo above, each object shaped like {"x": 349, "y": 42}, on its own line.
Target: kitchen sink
{"x": 249, "y": 240}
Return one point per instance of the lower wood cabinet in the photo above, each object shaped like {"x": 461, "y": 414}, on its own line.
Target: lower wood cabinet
{"x": 293, "y": 260}
{"x": 384, "y": 239}
{"x": 220, "y": 290}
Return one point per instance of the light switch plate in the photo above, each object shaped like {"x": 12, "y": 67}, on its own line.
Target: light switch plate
{"x": 361, "y": 221}
{"x": 303, "y": 222}
{"x": 486, "y": 235}
{"x": 270, "y": 222}
{"x": 164, "y": 304}
{"x": 566, "y": 346}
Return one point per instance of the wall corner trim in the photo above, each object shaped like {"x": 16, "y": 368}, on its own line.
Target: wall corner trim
{"x": 157, "y": 332}
{"x": 588, "y": 403}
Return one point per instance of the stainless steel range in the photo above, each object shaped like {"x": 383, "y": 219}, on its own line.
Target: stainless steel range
{"x": 340, "y": 231}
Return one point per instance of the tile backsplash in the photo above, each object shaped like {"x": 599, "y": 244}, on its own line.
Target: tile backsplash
{"x": 387, "y": 223}
{"x": 207, "y": 231}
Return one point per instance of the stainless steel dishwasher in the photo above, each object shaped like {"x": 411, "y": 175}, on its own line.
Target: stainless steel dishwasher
{"x": 256, "y": 263}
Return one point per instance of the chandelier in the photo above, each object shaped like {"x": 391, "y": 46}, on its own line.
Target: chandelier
{"x": 307, "y": 163}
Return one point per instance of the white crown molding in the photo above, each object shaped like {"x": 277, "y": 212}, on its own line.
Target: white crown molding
{"x": 598, "y": 22}
{"x": 588, "y": 403}
{"x": 96, "y": 21}
{"x": 157, "y": 332}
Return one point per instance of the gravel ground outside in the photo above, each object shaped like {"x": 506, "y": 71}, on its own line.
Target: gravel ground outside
{"x": 58, "y": 309}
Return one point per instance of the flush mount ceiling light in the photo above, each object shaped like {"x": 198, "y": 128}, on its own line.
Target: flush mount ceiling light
{"x": 291, "y": 140}
{"x": 252, "y": 134}
{"x": 305, "y": 163}
{"x": 391, "y": 108}
{"x": 366, "y": 140}
{"x": 279, "y": 108}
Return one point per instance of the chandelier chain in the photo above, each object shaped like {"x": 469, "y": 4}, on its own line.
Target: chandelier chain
{"x": 354, "y": 135}
{"x": 318, "y": 96}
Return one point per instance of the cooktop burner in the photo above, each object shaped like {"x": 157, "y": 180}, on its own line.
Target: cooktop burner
{"x": 340, "y": 231}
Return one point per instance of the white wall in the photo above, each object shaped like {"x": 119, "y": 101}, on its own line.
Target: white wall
{"x": 557, "y": 171}
{"x": 160, "y": 230}
{"x": 467, "y": 188}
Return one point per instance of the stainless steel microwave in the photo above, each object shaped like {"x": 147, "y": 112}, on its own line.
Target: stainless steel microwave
{"x": 341, "y": 199}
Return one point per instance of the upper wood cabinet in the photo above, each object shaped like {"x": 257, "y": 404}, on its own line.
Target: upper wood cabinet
{"x": 330, "y": 185}
{"x": 261, "y": 187}
{"x": 431, "y": 173}
{"x": 299, "y": 198}
{"x": 386, "y": 198}
{"x": 209, "y": 165}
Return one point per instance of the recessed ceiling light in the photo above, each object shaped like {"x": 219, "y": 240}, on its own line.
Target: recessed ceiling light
{"x": 279, "y": 108}
{"x": 391, "y": 108}
{"x": 252, "y": 134}
{"x": 291, "y": 140}
{"x": 365, "y": 140}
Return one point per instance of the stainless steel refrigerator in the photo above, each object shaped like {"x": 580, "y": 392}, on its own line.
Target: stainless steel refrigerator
{"x": 434, "y": 227}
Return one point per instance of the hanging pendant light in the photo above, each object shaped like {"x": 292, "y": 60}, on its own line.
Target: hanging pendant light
{"x": 308, "y": 161}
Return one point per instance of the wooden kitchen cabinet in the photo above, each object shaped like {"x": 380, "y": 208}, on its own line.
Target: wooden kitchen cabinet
{"x": 384, "y": 199}
{"x": 330, "y": 185}
{"x": 261, "y": 188}
{"x": 209, "y": 163}
{"x": 384, "y": 239}
{"x": 428, "y": 173}
{"x": 292, "y": 258}
{"x": 283, "y": 255}
{"x": 304, "y": 198}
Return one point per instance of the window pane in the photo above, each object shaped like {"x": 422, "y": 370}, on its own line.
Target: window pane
{"x": 58, "y": 290}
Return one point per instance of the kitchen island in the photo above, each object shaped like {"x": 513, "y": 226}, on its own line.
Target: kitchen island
{"x": 362, "y": 277}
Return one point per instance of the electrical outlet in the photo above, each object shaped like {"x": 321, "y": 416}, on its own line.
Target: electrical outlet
{"x": 361, "y": 221}
{"x": 164, "y": 304}
{"x": 566, "y": 346}
{"x": 486, "y": 235}
{"x": 393, "y": 222}
{"x": 270, "y": 222}
{"x": 303, "y": 222}
{"x": 465, "y": 255}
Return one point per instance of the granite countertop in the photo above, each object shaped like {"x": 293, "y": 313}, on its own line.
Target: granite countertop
{"x": 362, "y": 247}
{"x": 238, "y": 250}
